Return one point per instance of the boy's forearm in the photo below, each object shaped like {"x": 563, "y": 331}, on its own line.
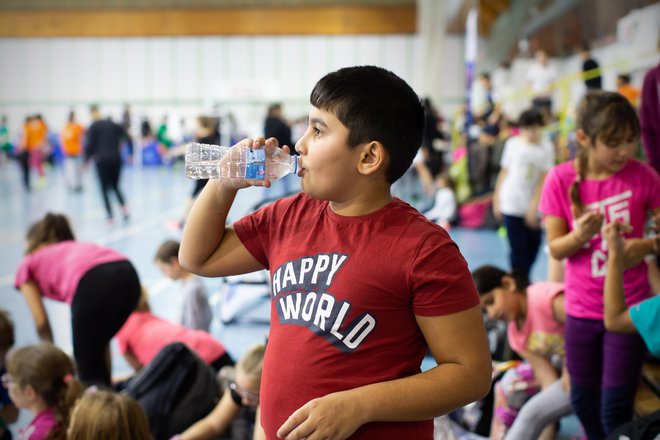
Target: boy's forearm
{"x": 422, "y": 396}
{"x": 205, "y": 225}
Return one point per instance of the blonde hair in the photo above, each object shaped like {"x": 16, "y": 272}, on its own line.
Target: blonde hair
{"x": 106, "y": 415}
{"x": 605, "y": 116}
{"x": 49, "y": 371}
{"x": 252, "y": 362}
{"x": 143, "y": 302}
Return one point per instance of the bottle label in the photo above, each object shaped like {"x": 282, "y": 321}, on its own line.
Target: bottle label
{"x": 255, "y": 163}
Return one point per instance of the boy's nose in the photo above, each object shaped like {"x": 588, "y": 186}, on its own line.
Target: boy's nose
{"x": 299, "y": 145}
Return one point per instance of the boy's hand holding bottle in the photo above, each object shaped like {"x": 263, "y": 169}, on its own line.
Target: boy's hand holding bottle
{"x": 248, "y": 163}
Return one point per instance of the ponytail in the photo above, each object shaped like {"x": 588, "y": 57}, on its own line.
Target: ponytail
{"x": 574, "y": 191}
{"x": 53, "y": 228}
{"x": 67, "y": 398}
{"x": 49, "y": 371}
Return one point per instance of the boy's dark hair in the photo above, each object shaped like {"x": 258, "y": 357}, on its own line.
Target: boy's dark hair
{"x": 6, "y": 332}
{"x": 607, "y": 116}
{"x": 375, "y": 105}
{"x": 530, "y": 118}
{"x": 53, "y": 228}
{"x": 625, "y": 78}
{"x": 168, "y": 250}
{"x": 487, "y": 278}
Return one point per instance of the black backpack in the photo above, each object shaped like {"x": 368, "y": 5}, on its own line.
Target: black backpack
{"x": 175, "y": 390}
{"x": 644, "y": 428}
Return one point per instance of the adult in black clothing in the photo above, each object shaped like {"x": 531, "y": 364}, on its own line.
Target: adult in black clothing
{"x": 588, "y": 64}
{"x": 275, "y": 126}
{"x": 104, "y": 139}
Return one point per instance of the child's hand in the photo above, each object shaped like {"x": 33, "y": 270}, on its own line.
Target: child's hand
{"x": 612, "y": 233}
{"x": 235, "y": 156}
{"x": 532, "y": 219}
{"x": 333, "y": 417}
{"x": 587, "y": 224}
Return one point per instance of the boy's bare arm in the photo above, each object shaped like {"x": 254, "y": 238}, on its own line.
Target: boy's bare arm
{"x": 463, "y": 374}
{"x": 208, "y": 247}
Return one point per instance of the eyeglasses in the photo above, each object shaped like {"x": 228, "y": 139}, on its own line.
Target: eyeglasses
{"x": 7, "y": 380}
{"x": 252, "y": 398}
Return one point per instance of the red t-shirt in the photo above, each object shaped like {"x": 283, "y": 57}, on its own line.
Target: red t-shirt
{"x": 345, "y": 294}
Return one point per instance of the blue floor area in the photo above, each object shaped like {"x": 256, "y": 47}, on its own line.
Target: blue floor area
{"x": 154, "y": 196}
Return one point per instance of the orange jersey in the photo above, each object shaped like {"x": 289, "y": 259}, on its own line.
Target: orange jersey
{"x": 630, "y": 93}
{"x": 72, "y": 139}
{"x": 34, "y": 133}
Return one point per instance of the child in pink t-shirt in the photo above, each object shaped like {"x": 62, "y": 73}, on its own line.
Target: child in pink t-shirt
{"x": 535, "y": 316}
{"x": 40, "y": 379}
{"x": 603, "y": 184}
{"x": 145, "y": 334}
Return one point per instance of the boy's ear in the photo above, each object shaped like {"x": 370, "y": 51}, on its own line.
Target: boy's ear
{"x": 372, "y": 158}
{"x": 508, "y": 283}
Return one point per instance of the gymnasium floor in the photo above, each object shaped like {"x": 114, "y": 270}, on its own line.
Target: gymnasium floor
{"x": 156, "y": 195}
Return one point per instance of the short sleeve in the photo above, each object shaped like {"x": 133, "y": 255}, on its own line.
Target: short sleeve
{"x": 645, "y": 316}
{"x": 553, "y": 196}
{"x": 253, "y": 231}
{"x": 23, "y": 273}
{"x": 505, "y": 161}
{"x": 441, "y": 280}
{"x": 517, "y": 339}
{"x": 548, "y": 156}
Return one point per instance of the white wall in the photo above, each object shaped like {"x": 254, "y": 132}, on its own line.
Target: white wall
{"x": 187, "y": 75}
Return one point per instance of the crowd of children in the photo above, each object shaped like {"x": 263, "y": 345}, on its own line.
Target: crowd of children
{"x": 353, "y": 314}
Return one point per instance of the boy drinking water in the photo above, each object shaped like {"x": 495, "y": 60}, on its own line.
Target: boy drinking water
{"x": 361, "y": 282}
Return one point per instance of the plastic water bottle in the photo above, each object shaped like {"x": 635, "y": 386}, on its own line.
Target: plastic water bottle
{"x": 206, "y": 161}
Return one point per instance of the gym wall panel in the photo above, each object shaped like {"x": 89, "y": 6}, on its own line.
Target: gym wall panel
{"x": 159, "y": 69}
{"x": 61, "y": 70}
{"x": 87, "y": 53}
{"x": 342, "y": 52}
{"x": 189, "y": 75}
{"x": 185, "y": 67}
{"x": 369, "y": 50}
{"x": 135, "y": 64}
{"x": 14, "y": 85}
{"x": 110, "y": 70}
{"x": 317, "y": 60}
{"x": 39, "y": 80}
{"x": 211, "y": 65}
